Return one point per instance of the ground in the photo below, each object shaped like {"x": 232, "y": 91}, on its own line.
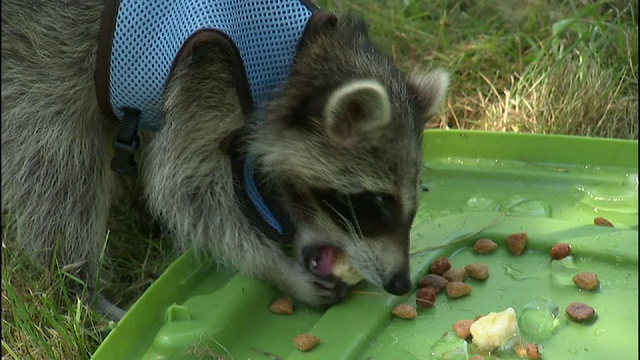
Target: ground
{"x": 543, "y": 66}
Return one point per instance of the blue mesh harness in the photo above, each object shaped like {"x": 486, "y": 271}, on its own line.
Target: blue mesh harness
{"x": 141, "y": 42}
{"x": 150, "y": 33}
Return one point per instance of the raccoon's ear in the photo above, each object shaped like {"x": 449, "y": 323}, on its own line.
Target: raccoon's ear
{"x": 321, "y": 21}
{"x": 429, "y": 88}
{"x": 357, "y": 110}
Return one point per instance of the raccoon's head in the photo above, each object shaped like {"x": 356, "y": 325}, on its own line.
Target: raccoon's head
{"x": 343, "y": 144}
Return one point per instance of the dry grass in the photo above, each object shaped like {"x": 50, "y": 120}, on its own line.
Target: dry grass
{"x": 565, "y": 67}
{"x": 568, "y": 67}
{"x": 576, "y": 96}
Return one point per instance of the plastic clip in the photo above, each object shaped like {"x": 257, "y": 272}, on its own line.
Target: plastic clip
{"x": 126, "y": 143}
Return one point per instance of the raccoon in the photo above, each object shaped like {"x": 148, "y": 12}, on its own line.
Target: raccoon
{"x": 335, "y": 154}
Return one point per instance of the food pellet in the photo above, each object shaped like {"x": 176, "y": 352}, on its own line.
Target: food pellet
{"x": 405, "y": 311}
{"x": 533, "y": 351}
{"x": 434, "y": 281}
{"x": 455, "y": 275}
{"x": 529, "y": 351}
{"x": 477, "y": 271}
{"x": 560, "y": 251}
{"x": 282, "y": 306}
{"x": 485, "y": 246}
{"x": 440, "y": 266}
{"x": 306, "y": 342}
{"x": 457, "y": 289}
{"x": 516, "y": 243}
{"x": 587, "y": 280}
{"x": 580, "y": 312}
{"x": 600, "y": 221}
{"x": 463, "y": 328}
{"x": 426, "y": 297}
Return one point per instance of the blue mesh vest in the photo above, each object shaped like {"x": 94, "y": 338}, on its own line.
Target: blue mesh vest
{"x": 141, "y": 42}
{"x": 148, "y": 36}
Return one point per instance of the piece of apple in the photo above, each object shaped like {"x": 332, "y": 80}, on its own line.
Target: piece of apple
{"x": 343, "y": 270}
{"x": 495, "y": 329}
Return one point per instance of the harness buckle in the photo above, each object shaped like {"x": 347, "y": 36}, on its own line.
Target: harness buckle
{"x": 126, "y": 143}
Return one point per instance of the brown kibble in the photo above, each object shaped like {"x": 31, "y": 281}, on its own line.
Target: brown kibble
{"x": 282, "y": 306}
{"x": 529, "y": 351}
{"x": 516, "y": 243}
{"x": 440, "y": 266}
{"x": 580, "y": 312}
{"x": 306, "y": 342}
{"x": 455, "y": 275}
{"x": 405, "y": 311}
{"x": 600, "y": 221}
{"x": 477, "y": 357}
{"x": 560, "y": 251}
{"x": 463, "y": 328}
{"x": 485, "y": 246}
{"x": 457, "y": 289}
{"x": 477, "y": 271}
{"x": 426, "y": 297}
{"x": 587, "y": 281}
{"x": 533, "y": 351}
{"x": 434, "y": 281}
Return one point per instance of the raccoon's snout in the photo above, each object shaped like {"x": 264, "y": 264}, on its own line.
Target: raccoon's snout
{"x": 399, "y": 284}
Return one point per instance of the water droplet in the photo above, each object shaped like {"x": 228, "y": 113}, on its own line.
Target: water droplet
{"x": 563, "y": 271}
{"x": 622, "y": 198}
{"x": 572, "y": 351}
{"x": 539, "y": 318}
{"x": 450, "y": 346}
{"x": 519, "y": 205}
{"x": 631, "y": 181}
{"x": 514, "y": 273}
{"x": 479, "y": 202}
{"x": 600, "y": 331}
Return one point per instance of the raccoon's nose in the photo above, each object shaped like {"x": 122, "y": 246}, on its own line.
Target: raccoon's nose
{"x": 399, "y": 284}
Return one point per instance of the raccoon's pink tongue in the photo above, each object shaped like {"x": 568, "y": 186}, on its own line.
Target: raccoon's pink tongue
{"x": 325, "y": 260}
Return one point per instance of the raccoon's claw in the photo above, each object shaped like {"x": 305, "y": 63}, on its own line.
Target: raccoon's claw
{"x": 312, "y": 289}
{"x": 337, "y": 289}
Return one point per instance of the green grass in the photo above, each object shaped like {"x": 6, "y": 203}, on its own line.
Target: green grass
{"x": 41, "y": 318}
{"x": 567, "y": 67}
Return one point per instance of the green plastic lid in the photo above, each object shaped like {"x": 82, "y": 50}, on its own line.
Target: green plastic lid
{"x": 480, "y": 185}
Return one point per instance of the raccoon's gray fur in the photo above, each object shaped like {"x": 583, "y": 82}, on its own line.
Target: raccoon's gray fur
{"x": 341, "y": 144}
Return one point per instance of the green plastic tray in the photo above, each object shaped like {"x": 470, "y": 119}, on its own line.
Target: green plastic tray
{"x": 554, "y": 186}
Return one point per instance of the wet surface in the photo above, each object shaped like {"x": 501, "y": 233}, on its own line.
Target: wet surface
{"x": 479, "y": 186}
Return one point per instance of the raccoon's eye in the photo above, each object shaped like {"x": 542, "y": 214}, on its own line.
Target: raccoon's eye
{"x": 373, "y": 205}
{"x": 368, "y": 212}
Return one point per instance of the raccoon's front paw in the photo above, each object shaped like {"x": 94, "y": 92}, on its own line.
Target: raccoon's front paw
{"x": 316, "y": 290}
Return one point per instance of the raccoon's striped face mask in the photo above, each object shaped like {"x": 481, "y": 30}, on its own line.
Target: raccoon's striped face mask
{"x": 366, "y": 213}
